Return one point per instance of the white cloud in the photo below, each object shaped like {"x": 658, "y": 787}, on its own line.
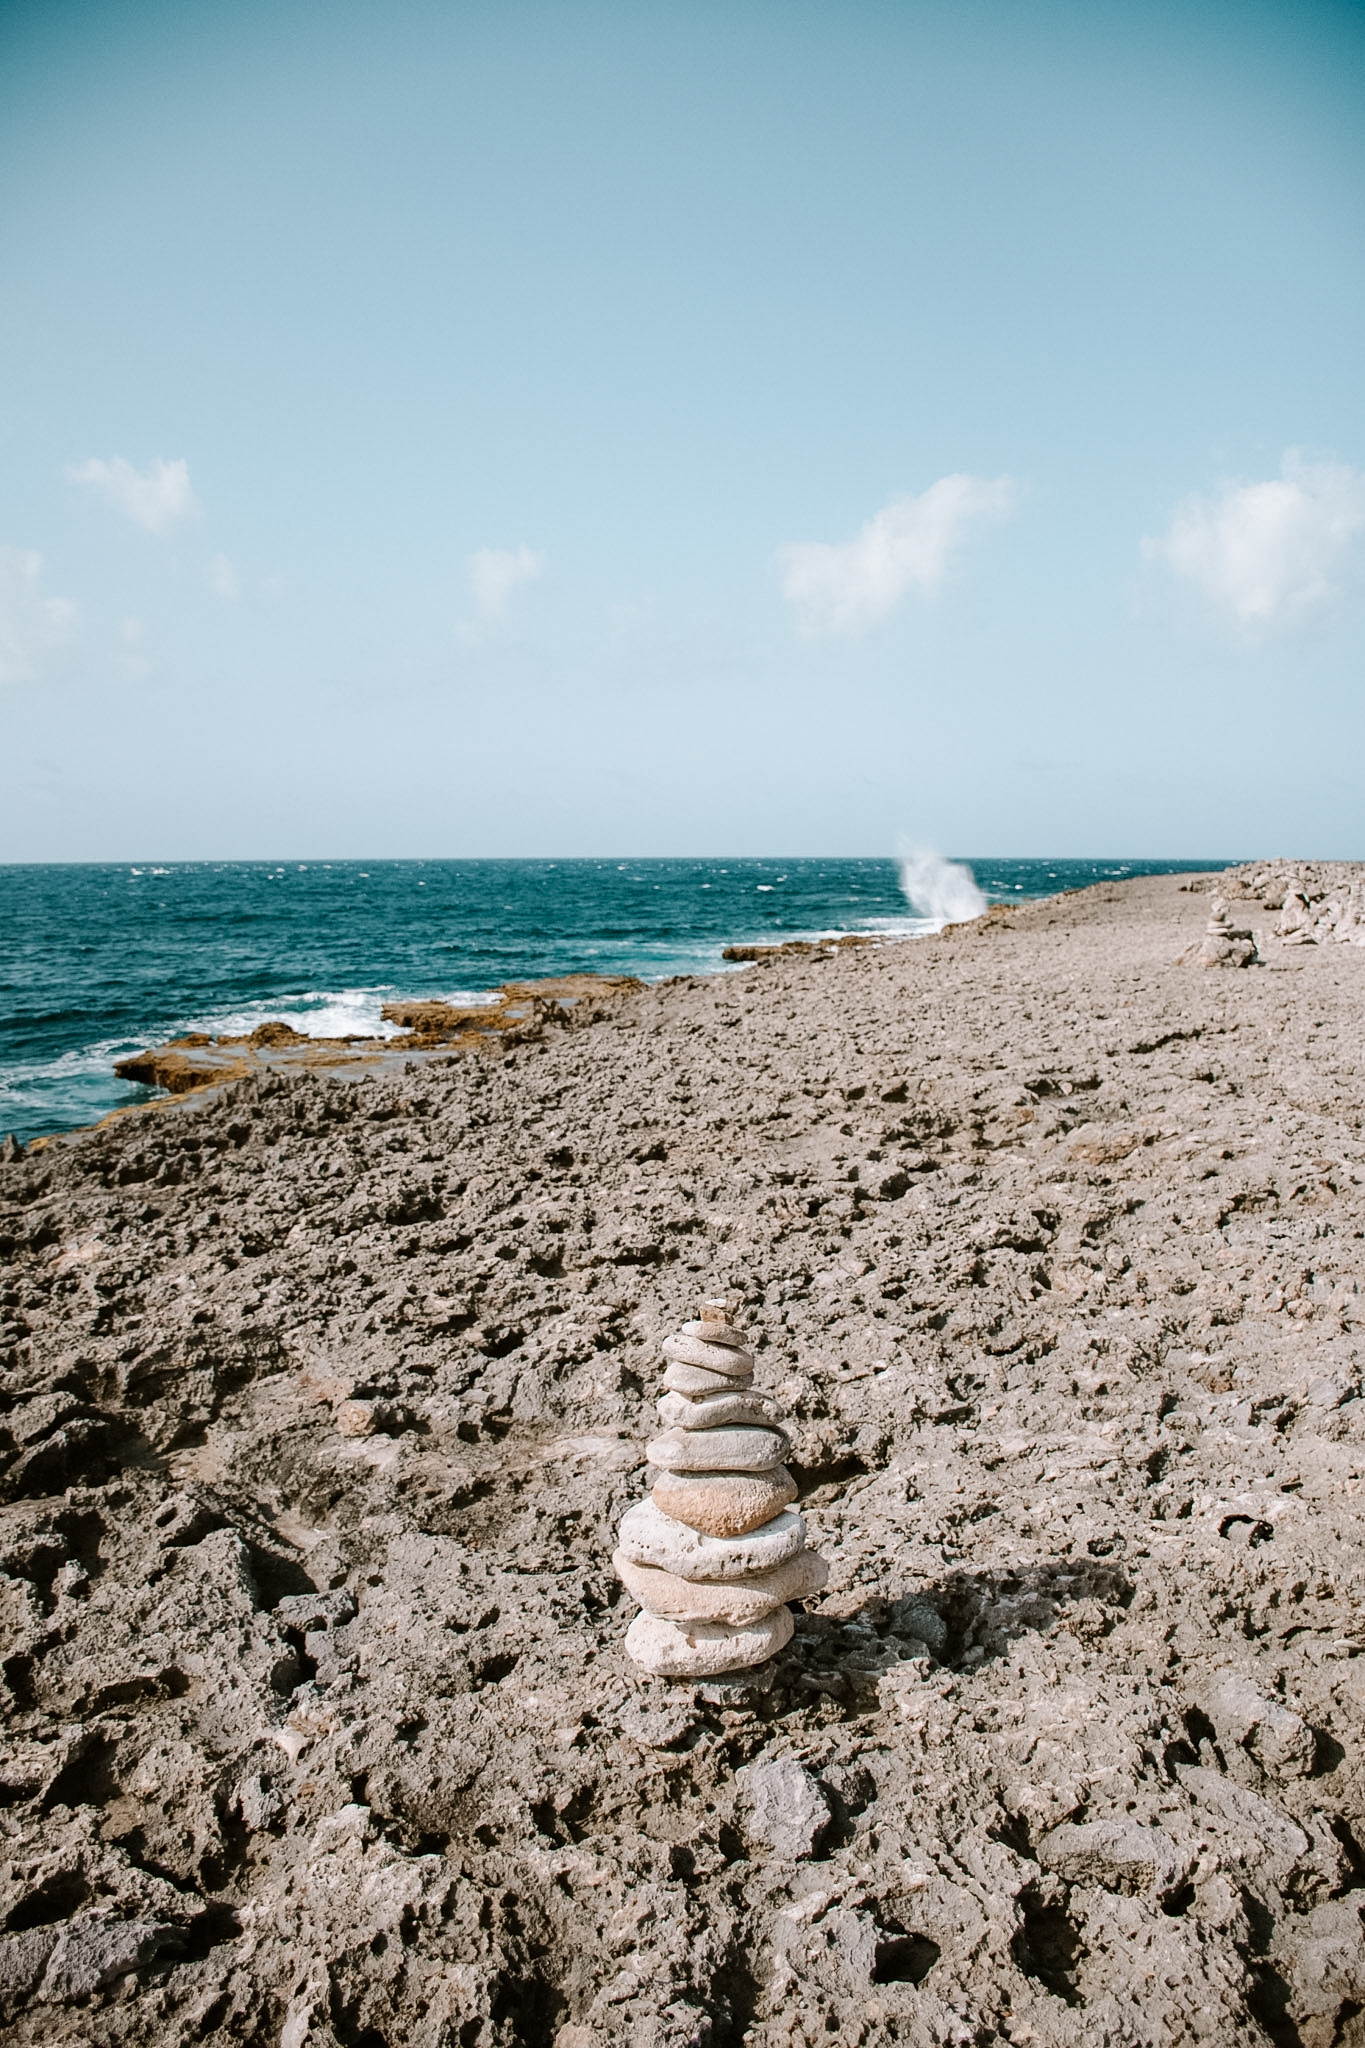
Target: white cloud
{"x": 494, "y": 573}
{"x": 223, "y": 579}
{"x": 32, "y": 626}
{"x": 154, "y": 497}
{"x": 1266, "y": 552}
{"x": 841, "y": 589}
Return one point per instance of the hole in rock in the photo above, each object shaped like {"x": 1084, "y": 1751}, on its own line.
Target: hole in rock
{"x": 497, "y": 1667}
{"x": 1327, "y": 1753}
{"x": 56, "y": 1899}
{"x": 215, "y": 1925}
{"x": 87, "y": 1779}
{"x": 1200, "y": 1729}
{"x": 1355, "y": 1855}
{"x": 531, "y": 2011}
{"x": 904, "y": 1959}
{"x": 1269, "y": 2001}
{"x": 1047, "y": 1945}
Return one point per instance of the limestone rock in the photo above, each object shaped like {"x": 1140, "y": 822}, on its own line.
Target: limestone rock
{"x": 698, "y": 1379}
{"x": 677, "y": 1411}
{"x": 1117, "y": 1853}
{"x": 679, "y": 1599}
{"x": 649, "y": 1537}
{"x": 1277, "y": 1739}
{"x": 91, "y": 1951}
{"x": 713, "y": 1547}
{"x": 705, "y": 1649}
{"x": 788, "y": 1808}
{"x": 724, "y": 1503}
{"x": 725, "y": 1359}
{"x": 23, "y": 1958}
{"x": 715, "y": 1325}
{"x": 719, "y": 1450}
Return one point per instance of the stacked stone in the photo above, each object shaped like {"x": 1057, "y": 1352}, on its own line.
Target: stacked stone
{"x": 715, "y": 1553}
{"x": 1224, "y": 946}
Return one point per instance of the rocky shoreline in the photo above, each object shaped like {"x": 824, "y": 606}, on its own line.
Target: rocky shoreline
{"x": 326, "y": 1389}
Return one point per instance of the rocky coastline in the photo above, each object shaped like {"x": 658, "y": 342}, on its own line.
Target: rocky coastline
{"x": 326, "y": 1385}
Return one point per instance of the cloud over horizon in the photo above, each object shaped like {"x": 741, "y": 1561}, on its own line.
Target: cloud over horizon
{"x": 31, "y": 625}
{"x": 224, "y": 581}
{"x": 495, "y": 573}
{"x": 847, "y": 586}
{"x": 1266, "y": 552}
{"x": 154, "y": 498}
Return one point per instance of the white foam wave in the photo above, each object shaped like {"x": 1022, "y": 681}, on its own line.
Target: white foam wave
{"x": 331, "y": 1013}
{"x": 941, "y": 891}
{"x": 74, "y": 1087}
{"x": 318, "y": 1013}
{"x": 83, "y": 1082}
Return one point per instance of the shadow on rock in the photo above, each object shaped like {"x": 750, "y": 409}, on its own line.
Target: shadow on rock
{"x": 983, "y": 1613}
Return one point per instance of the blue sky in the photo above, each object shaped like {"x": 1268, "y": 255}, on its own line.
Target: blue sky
{"x": 555, "y": 429}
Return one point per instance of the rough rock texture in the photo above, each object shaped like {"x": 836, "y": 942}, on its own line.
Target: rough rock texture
{"x": 1318, "y": 901}
{"x": 788, "y": 1809}
{"x": 320, "y": 1739}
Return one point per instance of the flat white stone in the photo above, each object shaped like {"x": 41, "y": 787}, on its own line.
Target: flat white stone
{"x": 724, "y": 1503}
{"x": 648, "y": 1536}
{"x": 722, "y": 1358}
{"x": 705, "y": 1649}
{"x": 696, "y": 1379}
{"x": 718, "y": 1450}
{"x": 739, "y": 1602}
{"x": 714, "y": 1411}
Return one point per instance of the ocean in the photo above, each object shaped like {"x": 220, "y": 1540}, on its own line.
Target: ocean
{"x": 100, "y": 961}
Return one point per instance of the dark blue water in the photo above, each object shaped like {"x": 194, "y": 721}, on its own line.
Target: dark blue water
{"x": 96, "y": 962}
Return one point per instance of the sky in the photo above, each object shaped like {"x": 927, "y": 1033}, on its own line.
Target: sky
{"x": 698, "y": 428}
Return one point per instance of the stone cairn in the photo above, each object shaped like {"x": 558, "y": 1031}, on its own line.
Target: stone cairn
{"x": 715, "y": 1553}
{"x": 1223, "y": 946}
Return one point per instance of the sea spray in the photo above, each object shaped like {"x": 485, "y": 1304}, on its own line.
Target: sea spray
{"x": 944, "y": 890}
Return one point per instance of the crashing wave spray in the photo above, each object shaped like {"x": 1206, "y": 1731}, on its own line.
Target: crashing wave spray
{"x": 943, "y": 890}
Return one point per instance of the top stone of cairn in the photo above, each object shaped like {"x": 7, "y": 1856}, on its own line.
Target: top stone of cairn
{"x": 716, "y": 1325}
{"x": 714, "y": 1554}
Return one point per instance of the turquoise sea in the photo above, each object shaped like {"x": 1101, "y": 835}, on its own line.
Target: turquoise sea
{"x": 99, "y": 961}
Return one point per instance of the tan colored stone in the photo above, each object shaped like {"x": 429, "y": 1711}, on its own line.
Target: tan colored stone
{"x": 714, "y": 1411}
{"x": 721, "y": 1358}
{"x": 705, "y": 1649}
{"x": 739, "y": 1603}
{"x": 718, "y": 1450}
{"x": 724, "y": 1503}
{"x": 695, "y": 1379}
{"x": 356, "y": 1418}
{"x": 717, "y": 1330}
{"x": 647, "y": 1536}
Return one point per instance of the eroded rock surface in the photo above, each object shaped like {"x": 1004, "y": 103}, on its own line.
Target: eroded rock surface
{"x": 324, "y": 1397}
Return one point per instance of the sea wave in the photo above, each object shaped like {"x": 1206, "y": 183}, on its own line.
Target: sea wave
{"x": 317, "y": 1013}
{"x": 83, "y": 1082}
{"x": 79, "y": 1083}
{"x": 331, "y": 1013}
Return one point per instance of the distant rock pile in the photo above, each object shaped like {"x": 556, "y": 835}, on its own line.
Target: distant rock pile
{"x": 1319, "y": 902}
{"x": 714, "y": 1554}
{"x": 1224, "y": 946}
